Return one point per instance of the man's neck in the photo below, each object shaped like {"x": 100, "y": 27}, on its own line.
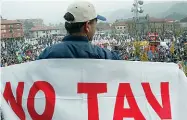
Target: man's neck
{"x": 79, "y": 34}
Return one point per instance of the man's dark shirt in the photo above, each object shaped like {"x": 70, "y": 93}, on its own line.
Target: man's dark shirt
{"x": 77, "y": 47}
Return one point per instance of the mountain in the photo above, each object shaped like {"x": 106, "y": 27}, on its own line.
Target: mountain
{"x": 175, "y": 16}
{"x": 112, "y": 16}
{"x": 177, "y": 11}
{"x": 156, "y": 9}
{"x": 179, "y": 8}
{"x": 174, "y": 10}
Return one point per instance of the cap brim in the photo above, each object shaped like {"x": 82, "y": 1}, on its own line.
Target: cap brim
{"x": 99, "y": 17}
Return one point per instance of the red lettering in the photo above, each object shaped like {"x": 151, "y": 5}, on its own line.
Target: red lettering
{"x": 50, "y": 101}
{"x": 165, "y": 111}
{"x": 120, "y": 112}
{"x": 16, "y": 104}
{"x": 92, "y": 89}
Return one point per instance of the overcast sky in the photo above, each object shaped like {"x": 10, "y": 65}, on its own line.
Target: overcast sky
{"x": 52, "y": 11}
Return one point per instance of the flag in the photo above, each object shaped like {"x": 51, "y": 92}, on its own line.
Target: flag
{"x": 172, "y": 48}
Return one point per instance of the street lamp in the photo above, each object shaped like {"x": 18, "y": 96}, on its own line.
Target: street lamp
{"x": 140, "y": 2}
{"x": 137, "y": 9}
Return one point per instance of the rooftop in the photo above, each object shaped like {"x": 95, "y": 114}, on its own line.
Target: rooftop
{"x": 43, "y": 28}
{"x": 152, "y": 19}
{"x": 121, "y": 23}
{"x": 8, "y": 22}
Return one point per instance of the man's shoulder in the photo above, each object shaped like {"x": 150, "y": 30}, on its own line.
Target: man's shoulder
{"x": 58, "y": 46}
{"x": 71, "y": 49}
{"x": 52, "y": 50}
{"x": 113, "y": 55}
{"x": 99, "y": 49}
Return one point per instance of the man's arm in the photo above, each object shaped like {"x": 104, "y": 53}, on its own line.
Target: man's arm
{"x": 44, "y": 54}
{"x": 111, "y": 54}
{"x": 115, "y": 56}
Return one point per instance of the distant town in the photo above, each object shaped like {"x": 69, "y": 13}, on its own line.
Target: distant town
{"x": 34, "y": 28}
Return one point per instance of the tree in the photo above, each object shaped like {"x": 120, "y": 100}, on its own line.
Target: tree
{"x": 103, "y": 25}
{"x": 61, "y": 26}
{"x": 28, "y": 25}
{"x": 52, "y": 25}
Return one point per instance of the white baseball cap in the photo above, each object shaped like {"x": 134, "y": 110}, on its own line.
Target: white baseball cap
{"x": 83, "y": 11}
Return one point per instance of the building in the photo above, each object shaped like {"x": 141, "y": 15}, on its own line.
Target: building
{"x": 29, "y": 23}
{"x": 43, "y": 31}
{"x": 151, "y": 24}
{"x": 160, "y": 25}
{"x": 120, "y": 27}
{"x": 11, "y": 29}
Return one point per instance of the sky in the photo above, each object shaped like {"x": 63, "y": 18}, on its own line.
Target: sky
{"x": 52, "y": 11}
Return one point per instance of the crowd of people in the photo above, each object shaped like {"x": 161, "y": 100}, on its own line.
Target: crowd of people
{"x": 24, "y": 50}
{"x": 165, "y": 49}
{"x": 169, "y": 49}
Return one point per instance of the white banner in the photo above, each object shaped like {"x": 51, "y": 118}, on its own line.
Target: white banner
{"x": 93, "y": 90}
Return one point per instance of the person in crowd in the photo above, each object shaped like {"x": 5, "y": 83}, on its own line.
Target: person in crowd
{"x": 2, "y": 116}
